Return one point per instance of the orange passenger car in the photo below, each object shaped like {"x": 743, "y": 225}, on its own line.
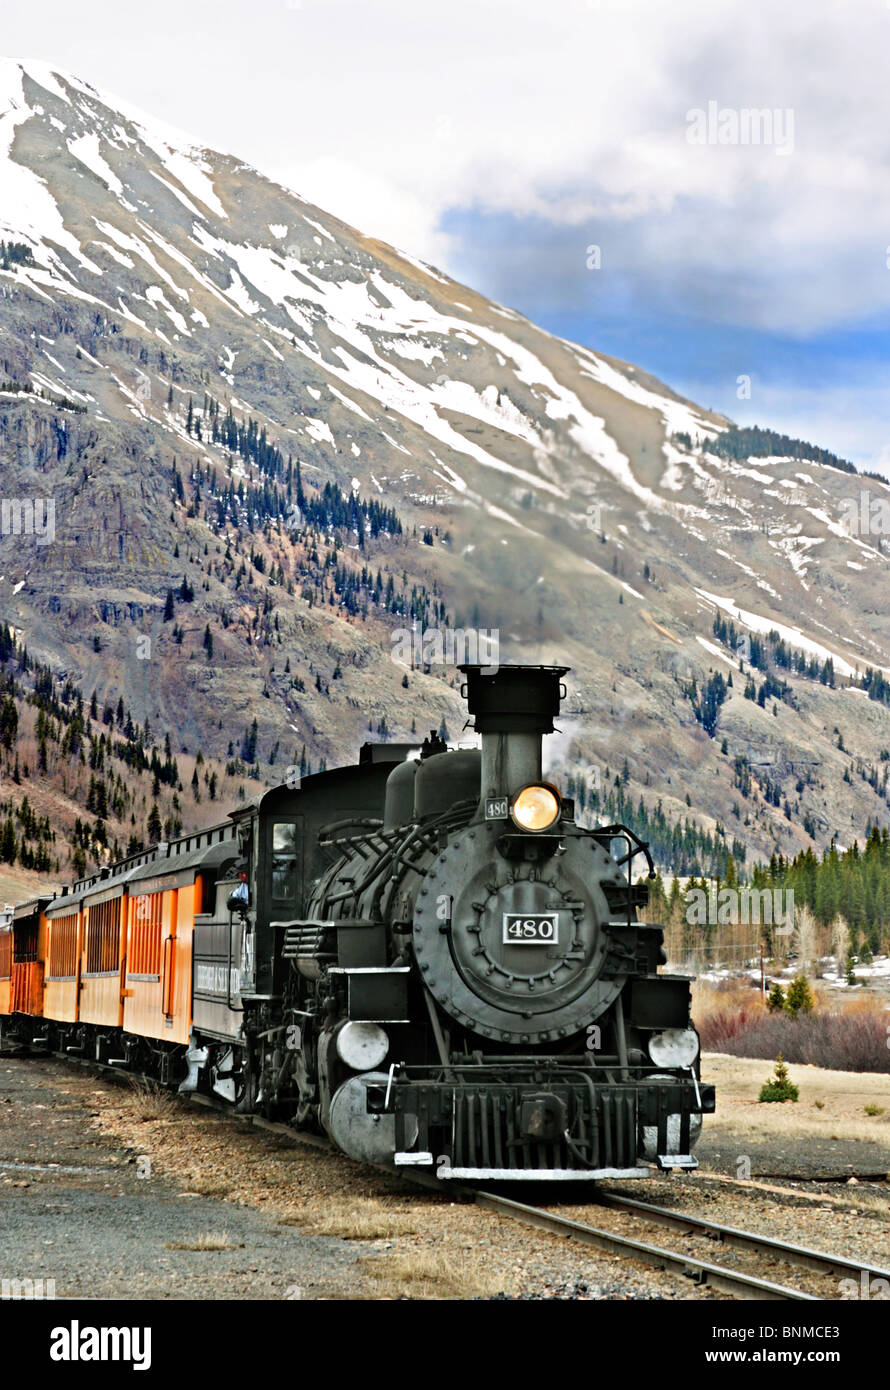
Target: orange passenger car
{"x": 5, "y": 968}
{"x": 107, "y": 967}
{"x": 28, "y": 954}
{"x": 60, "y": 993}
{"x": 158, "y": 965}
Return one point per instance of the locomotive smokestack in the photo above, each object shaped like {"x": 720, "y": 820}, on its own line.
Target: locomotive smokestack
{"x": 512, "y": 709}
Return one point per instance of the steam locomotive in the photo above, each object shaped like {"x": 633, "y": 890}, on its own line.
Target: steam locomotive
{"x": 422, "y": 954}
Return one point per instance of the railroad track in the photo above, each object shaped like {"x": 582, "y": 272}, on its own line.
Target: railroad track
{"x": 817, "y": 1261}
{"x": 737, "y": 1283}
{"x": 734, "y": 1282}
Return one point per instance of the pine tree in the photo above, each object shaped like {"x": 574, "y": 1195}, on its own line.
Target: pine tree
{"x": 9, "y": 721}
{"x": 154, "y": 825}
{"x": 799, "y": 999}
{"x": 8, "y": 846}
{"x": 779, "y": 1087}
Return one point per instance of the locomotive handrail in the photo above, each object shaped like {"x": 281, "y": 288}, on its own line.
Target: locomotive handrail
{"x": 636, "y": 846}
{"x": 642, "y": 846}
{"x": 229, "y": 1003}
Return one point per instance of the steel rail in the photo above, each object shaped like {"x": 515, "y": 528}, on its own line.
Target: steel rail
{"x": 733, "y": 1282}
{"x": 818, "y": 1261}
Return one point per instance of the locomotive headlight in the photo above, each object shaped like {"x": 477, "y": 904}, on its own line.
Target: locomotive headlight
{"x": 675, "y": 1047}
{"x": 536, "y": 808}
{"x": 362, "y": 1046}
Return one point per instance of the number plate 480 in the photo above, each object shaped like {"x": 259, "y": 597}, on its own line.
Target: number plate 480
{"x": 531, "y": 928}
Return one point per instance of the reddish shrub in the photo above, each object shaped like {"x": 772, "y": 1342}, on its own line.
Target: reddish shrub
{"x": 720, "y": 1027}
{"x": 843, "y": 1042}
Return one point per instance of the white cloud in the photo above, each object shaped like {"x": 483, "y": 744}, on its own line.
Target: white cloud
{"x": 370, "y": 202}
{"x": 392, "y": 114}
{"x": 577, "y": 113}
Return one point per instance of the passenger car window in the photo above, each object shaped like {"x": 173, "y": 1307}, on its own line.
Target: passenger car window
{"x": 284, "y": 861}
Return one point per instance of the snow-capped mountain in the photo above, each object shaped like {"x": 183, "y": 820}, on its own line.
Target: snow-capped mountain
{"x": 152, "y": 290}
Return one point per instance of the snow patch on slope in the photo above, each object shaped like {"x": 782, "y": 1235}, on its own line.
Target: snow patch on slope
{"x": 86, "y": 149}
{"x": 27, "y": 208}
{"x": 677, "y": 415}
{"x": 792, "y": 635}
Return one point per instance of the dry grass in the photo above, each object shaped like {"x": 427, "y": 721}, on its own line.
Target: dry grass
{"x": 429, "y": 1274}
{"x": 736, "y": 997}
{"x": 355, "y": 1218}
{"x": 413, "y": 1271}
{"x": 209, "y": 1187}
{"x": 206, "y": 1242}
{"x": 725, "y": 1010}
{"x": 709, "y": 998}
{"x": 832, "y": 1104}
{"x": 151, "y": 1101}
{"x": 874, "y": 1005}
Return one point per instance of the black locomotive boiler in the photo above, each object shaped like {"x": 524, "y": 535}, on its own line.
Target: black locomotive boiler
{"x": 422, "y": 954}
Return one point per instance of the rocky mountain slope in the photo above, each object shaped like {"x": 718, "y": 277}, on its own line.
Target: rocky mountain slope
{"x": 272, "y": 443}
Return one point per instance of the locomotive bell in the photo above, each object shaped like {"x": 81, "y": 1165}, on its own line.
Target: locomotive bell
{"x": 512, "y": 708}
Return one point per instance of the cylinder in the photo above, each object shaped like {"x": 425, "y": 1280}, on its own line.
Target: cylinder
{"x": 445, "y": 779}
{"x": 509, "y": 763}
{"x": 398, "y": 805}
{"x": 513, "y": 707}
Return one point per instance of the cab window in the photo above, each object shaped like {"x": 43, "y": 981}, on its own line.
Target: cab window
{"x": 284, "y": 861}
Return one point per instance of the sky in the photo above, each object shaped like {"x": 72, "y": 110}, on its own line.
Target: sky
{"x": 701, "y": 187}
